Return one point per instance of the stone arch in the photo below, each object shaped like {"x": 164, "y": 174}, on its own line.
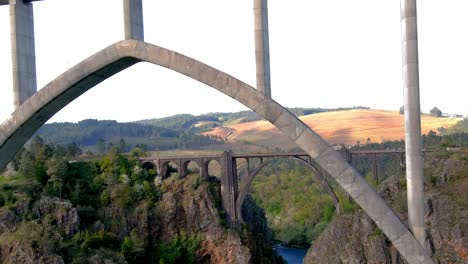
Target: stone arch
{"x": 242, "y": 167}
{"x": 184, "y": 168}
{"x": 251, "y": 175}
{"x": 165, "y": 166}
{"x": 206, "y": 172}
{"x": 148, "y": 165}
{"x": 32, "y": 114}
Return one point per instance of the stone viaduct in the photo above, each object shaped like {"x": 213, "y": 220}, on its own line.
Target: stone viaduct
{"x": 232, "y": 194}
{"x": 31, "y": 114}
{"x": 234, "y": 189}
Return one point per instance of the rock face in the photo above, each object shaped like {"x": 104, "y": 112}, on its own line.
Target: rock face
{"x": 356, "y": 239}
{"x": 23, "y": 252}
{"x": 33, "y": 232}
{"x": 65, "y": 215}
{"x": 193, "y": 211}
{"x": 29, "y": 249}
{"x": 349, "y": 239}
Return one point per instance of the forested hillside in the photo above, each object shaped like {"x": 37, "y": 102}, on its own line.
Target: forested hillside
{"x": 298, "y": 209}
{"x": 174, "y": 132}
{"x": 108, "y": 209}
{"x": 92, "y": 134}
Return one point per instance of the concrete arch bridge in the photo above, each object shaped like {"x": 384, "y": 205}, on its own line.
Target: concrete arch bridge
{"x": 35, "y": 111}
{"x": 35, "y": 108}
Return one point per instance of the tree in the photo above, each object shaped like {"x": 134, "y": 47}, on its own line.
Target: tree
{"x": 447, "y": 141}
{"x": 402, "y": 110}
{"x": 57, "y": 169}
{"x": 73, "y": 150}
{"x": 26, "y": 166}
{"x": 101, "y": 146}
{"x": 133, "y": 248}
{"x": 122, "y": 145}
{"x": 60, "y": 151}
{"x": 36, "y": 145}
{"x": 436, "y": 112}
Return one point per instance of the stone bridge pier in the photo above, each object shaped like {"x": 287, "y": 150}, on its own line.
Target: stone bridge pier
{"x": 228, "y": 177}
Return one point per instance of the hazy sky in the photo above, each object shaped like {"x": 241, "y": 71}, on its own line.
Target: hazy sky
{"x": 331, "y": 53}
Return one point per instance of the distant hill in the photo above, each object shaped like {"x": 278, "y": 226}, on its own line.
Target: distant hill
{"x": 335, "y": 127}
{"x": 88, "y": 132}
{"x": 241, "y": 130}
{"x": 210, "y": 120}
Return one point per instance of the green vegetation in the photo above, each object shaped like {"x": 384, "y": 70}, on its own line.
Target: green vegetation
{"x": 101, "y": 136}
{"x": 460, "y": 127}
{"x": 112, "y": 183}
{"x": 180, "y": 250}
{"x": 297, "y": 208}
{"x": 178, "y": 131}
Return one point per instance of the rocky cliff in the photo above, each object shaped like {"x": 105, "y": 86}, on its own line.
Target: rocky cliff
{"x": 187, "y": 218}
{"x": 355, "y": 238}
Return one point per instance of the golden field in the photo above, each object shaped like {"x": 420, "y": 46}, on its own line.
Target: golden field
{"x": 337, "y": 127}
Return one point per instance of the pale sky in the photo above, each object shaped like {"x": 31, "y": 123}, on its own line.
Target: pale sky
{"x": 324, "y": 53}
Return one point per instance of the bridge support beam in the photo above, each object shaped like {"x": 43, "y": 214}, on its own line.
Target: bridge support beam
{"x": 262, "y": 47}
{"x": 414, "y": 169}
{"x": 229, "y": 189}
{"x": 22, "y": 51}
{"x": 133, "y": 19}
{"x": 375, "y": 168}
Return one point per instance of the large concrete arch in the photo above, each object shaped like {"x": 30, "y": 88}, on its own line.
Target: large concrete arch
{"x": 31, "y": 115}
{"x": 251, "y": 175}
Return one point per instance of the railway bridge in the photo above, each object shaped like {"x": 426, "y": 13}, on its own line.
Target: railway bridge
{"x": 234, "y": 190}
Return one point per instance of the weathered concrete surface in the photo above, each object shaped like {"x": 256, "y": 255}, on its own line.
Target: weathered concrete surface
{"x": 28, "y": 118}
{"x": 133, "y": 19}
{"x": 22, "y": 51}
{"x": 262, "y": 47}
{"x": 414, "y": 164}
{"x": 6, "y": 2}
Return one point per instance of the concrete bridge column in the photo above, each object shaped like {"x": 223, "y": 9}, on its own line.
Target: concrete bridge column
{"x": 262, "y": 47}
{"x": 183, "y": 169}
{"x": 229, "y": 187}
{"x": 22, "y": 51}
{"x": 162, "y": 169}
{"x": 402, "y": 161}
{"x": 204, "y": 173}
{"x": 375, "y": 168}
{"x": 133, "y": 19}
{"x": 414, "y": 170}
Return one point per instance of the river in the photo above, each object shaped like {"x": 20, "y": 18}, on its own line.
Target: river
{"x": 291, "y": 255}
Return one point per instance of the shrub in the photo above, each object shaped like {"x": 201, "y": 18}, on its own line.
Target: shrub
{"x": 99, "y": 239}
{"x": 133, "y": 248}
{"x": 196, "y": 182}
{"x": 123, "y": 195}
{"x": 180, "y": 250}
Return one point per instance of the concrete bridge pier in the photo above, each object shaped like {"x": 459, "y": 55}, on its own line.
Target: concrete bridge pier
{"x": 414, "y": 165}
{"x": 229, "y": 187}
{"x": 375, "y": 169}
{"x": 23, "y": 52}
{"x": 133, "y": 19}
{"x": 204, "y": 174}
{"x": 262, "y": 47}
{"x": 402, "y": 161}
